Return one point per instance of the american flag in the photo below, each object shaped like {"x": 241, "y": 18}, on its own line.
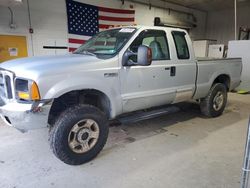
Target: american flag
{"x": 86, "y": 20}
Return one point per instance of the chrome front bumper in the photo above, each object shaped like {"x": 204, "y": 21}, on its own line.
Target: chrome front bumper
{"x": 26, "y": 116}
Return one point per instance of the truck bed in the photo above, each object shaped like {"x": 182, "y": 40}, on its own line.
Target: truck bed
{"x": 209, "y": 68}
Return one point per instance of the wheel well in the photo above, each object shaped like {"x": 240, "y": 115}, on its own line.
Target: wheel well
{"x": 224, "y": 79}
{"x": 88, "y": 96}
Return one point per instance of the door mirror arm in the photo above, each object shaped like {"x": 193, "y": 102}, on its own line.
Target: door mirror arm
{"x": 126, "y": 61}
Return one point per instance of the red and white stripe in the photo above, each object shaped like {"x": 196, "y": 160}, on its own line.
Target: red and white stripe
{"x": 76, "y": 40}
{"x": 108, "y": 17}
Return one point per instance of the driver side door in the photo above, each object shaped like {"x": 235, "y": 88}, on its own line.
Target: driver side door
{"x": 147, "y": 86}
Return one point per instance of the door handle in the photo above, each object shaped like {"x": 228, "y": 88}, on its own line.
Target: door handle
{"x": 172, "y": 71}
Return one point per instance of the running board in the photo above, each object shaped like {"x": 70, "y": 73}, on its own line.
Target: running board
{"x": 140, "y": 116}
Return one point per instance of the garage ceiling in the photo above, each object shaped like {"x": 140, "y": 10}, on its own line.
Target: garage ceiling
{"x": 204, "y": 5}
{"x": 10, "y": 2}
{"x": 209, "y": 5}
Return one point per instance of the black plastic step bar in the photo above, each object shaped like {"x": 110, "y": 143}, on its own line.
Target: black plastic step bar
{"x": 142, "y": 115}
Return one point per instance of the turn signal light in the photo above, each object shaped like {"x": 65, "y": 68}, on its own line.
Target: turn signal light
{"x": 35, "y": 95}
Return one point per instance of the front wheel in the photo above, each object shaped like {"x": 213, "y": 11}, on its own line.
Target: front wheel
{"x": 79, "y": 134}
{"x": 215, "y": 102}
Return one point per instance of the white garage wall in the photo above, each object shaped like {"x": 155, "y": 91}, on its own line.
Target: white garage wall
{"x": 21, "y": 20}
{"x": 49, "y": 21}
{"x": 220, "y": 24}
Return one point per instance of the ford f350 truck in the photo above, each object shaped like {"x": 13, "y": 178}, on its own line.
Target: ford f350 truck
{"x": 118, "y": 71}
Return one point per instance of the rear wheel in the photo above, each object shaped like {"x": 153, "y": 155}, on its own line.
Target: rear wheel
{"x": 79, "y": 134}
{"x": 215, "y": 102}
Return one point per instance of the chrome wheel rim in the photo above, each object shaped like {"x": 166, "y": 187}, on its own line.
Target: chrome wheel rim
{"x": 83, "y": 136}
{"x": 218, "y": 101}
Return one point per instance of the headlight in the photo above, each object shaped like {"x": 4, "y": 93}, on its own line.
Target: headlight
{"x": 26, "y": 89}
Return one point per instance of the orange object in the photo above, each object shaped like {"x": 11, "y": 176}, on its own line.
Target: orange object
{"x": 35, "y": 94}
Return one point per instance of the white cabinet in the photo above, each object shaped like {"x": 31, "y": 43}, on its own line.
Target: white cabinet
{"x": 241, "y": 49}
{"x": 216, "y": 50}
{"x": 201, "y": 47}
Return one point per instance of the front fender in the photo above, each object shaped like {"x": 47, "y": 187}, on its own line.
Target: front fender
{"x": 110, "y": 87}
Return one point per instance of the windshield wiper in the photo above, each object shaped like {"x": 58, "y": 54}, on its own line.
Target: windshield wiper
{"x": 85, "y": 52}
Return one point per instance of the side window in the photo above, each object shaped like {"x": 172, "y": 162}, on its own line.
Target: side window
{"x": 154, "y": 39}
{"x": 181, "y": 44}
{"x": 147, "y": 41}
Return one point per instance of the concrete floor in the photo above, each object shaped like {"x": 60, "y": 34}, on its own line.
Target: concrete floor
{"x": 174, "y": 151}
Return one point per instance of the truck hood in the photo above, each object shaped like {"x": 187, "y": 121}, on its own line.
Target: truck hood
{"x": 34, "y": 67}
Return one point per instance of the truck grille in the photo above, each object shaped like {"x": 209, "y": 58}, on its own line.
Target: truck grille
{"x": 2, "y": 93}
{"x": 6, "y": 86}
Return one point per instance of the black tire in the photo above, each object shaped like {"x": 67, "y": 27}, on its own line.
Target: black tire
{"x": 59, "y": 134}
{"x": 207, "y": 104}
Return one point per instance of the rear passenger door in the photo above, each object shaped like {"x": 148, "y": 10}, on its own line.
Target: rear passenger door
{"x": 185, "y": 66}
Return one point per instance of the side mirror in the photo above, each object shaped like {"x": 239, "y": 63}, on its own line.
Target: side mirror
{"x": 144, "y": 57}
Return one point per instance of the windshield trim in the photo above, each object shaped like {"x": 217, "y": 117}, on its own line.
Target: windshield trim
{"x": 114, "y": 54}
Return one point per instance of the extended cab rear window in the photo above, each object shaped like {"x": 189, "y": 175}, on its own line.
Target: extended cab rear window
{"x": 181, "y": 44}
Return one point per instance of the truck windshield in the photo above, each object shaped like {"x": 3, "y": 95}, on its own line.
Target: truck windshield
{"x": 106, "y": 44}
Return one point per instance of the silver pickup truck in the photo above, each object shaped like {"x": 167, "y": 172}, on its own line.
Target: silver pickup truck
{"x": 116, "y": 72}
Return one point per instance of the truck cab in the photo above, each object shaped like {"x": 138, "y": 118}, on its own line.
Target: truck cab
{"x": 170, "y": 77}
